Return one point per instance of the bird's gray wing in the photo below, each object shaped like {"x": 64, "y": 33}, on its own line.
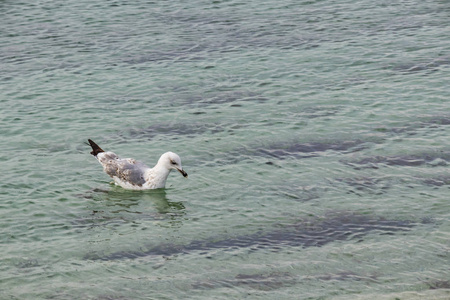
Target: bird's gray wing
{"x": 125, "y": 169}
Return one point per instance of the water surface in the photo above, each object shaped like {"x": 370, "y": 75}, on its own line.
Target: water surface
{"x": 315, "y": 134}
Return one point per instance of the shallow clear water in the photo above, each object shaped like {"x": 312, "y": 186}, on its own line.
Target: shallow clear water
{"x": 315, "y": 134}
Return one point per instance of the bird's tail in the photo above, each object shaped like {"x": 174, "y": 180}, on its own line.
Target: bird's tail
{"x": 95, "y": 148}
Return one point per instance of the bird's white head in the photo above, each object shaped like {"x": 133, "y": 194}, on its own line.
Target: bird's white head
{"x": 171, "y": 161}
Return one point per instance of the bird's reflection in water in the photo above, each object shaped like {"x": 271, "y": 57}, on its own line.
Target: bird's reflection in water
{"x": 120, "y": 205}
{"x": 157, "y": 198}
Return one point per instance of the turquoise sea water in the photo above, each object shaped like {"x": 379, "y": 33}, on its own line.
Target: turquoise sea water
{"x": 316, "y": 135}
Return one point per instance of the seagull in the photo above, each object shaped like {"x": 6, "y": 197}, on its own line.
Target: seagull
{"x": 135, "y": 175}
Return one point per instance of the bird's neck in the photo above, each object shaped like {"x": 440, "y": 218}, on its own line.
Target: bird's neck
{"x": 157, "y": 176}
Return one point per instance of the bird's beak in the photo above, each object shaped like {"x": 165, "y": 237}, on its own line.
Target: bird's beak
{"x": 182, "y": 172}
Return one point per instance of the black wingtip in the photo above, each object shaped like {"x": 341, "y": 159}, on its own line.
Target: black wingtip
{"x": 95, "y": 148}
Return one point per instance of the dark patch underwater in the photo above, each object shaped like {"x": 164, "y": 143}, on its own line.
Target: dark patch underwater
{"x": 415, "y": 127}
{"x": 175, "y": 130}
{"x": 363, "y": 184}
{"x": 305, "y": 233}
{"x": 429, "y": 66}
{"x": 262, "y": 282}
{"x": 414, "y": 160}
{"x": 310, "y": 149}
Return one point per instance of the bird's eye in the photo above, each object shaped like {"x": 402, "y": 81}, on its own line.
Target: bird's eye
{"x": 172, "y": 162}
